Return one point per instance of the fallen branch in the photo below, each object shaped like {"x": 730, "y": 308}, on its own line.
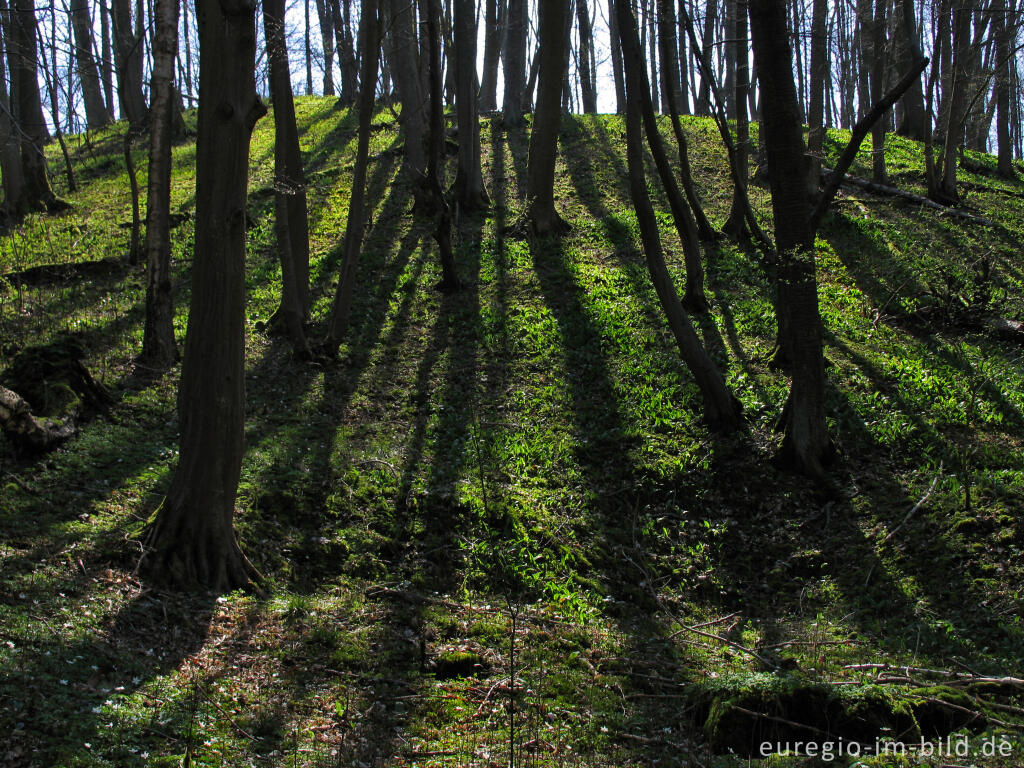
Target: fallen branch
{"x": 732, "y": 644}
{"x": 884, "y": 189}
{"x": 910, "y": 513}
{"x": 913, "y": 509}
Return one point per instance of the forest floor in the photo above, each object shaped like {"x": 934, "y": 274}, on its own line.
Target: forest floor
{"x": 495, "y": 532}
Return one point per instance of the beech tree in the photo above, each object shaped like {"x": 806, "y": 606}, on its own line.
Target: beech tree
{"x": 28, "y": 121}
{"x": 469, "y": 189}
{"x": 514, "y": 58}
{"x": 369, "y": 47}
{"x": 494, "y": 20}
{"x": 807, "y": 446}
{"x": 722, "y": 411}
{"x": 542, "y": 216}
{"x": 159, "y": 349}
{"x": 128, "y": 60}
{"x": 640, "y": 102}
{"x": 10, "y": 143}
{"x": 435, "y": 151}
{"x": 96, "y": 113}
{"x": 190, "y": 541}
{"x": 403, "y": 52}
{"x": 291, "y": 224}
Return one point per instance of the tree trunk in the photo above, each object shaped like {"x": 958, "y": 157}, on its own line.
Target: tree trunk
{"x": 50, "y": 74}
{"x": 323, "y": 12}
{"x": 10, "y": 143}
{"x": 346, "y": 56}
{"x": 618, "y": 76}
{"x": 128, "y": 61}
{"x": 493, "y": 20}
{"x": 308, "y": 50}
{"x": 878, "y": 64}
{"x": 191, "y": 541}
{"x": 735, "y": 225}
{"x": 515, "y": 62}
{"x": 469, "y": 181}
{"x": 291, "y": 224}
{"x": 106, "y": 59}
{"x": 588, "y": 84}
{"x": 435, "y": 152}
{"x": 668, "y": 51}
{"x": 369, "y": 47}
{"x": 159, "y": 349}
{"x": 667, "y": 41}
{"x": 28, "y": 114}
{"x": 806, "y": 445}
{"x": 703, "y": 106}
{"x": 1005, "y": 22}
{"x": 543, "y": 218}
{"x": 404, "y": 57}
{"x": 96, "y": 113}
{"x": 722, "y": 411}
{"x": 816, "y": 98}
{"x": 694, "y": 298}
{"x": 914, "y": 122}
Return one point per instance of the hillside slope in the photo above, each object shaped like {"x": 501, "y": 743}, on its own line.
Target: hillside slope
{"x": 497, "y": 524}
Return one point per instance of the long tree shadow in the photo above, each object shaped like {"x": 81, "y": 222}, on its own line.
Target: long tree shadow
{"x": 60, "y": 701}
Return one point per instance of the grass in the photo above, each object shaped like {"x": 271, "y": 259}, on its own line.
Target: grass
{"x": 497, "y": 525}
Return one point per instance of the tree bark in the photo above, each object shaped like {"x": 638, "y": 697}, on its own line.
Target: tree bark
{"x": 722, "y": 411}
{"x": 816, "y": 96}
{"x": 291, "y": 224}
{"x": 914, "y": 122}
{"x": 515, "y": 62}
{"x": 323, "y": 12}
{"x": 134, "y": 255}
{"x": 159, "y": 349}
{"x": 346, "y": 56}
{"x": 618, "y": 76}
{"x": 588, "y": 84}
{"x": 403, "y": 53}
{"x": 735, "y": 225}
{"x": 703, "y": 106}
{"x": 807, "y": 446}
{"x": 128, "y": 60}
{"x": 1005, "y": 21}
{"x": 96, "y": 113}
{"x": 22, "y": 60}
{"x": 553, "y": 53}
{"x": 308, "y": 51}
{"x": 878, "y": 65}
{"x": 10, "y": 143}
{"x": 694, "y": 298}
{"x": 435, "y": 152}
{"x": 493, "y": 20}
{"x": 469, "y": 181}
{"x": 369, "y": 47}
{"x": 106, "y": 58}
{"x": 191, "y": 542}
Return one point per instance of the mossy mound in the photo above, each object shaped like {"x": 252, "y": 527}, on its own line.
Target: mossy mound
{"x": 740, "y": 715}
{"x": 54, "y": 381}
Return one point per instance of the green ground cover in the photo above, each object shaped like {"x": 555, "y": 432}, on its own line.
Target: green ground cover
{"x": 497, "y": 525}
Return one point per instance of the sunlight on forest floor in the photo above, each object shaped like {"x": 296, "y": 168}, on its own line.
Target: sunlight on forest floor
{"x": 497, "y": 525}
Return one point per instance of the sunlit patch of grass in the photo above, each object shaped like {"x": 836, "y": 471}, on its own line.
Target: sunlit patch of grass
{"x": 527, "y": 451}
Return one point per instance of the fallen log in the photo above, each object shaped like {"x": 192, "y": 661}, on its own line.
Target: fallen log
{"x": 883, "y": 189}
{"x": 28, "y": 431}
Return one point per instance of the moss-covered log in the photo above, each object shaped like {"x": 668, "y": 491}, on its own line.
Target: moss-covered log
{"x": 26, "y": 430}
